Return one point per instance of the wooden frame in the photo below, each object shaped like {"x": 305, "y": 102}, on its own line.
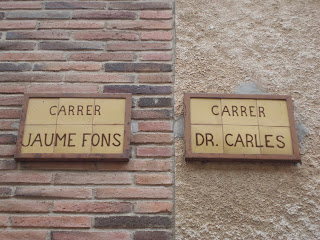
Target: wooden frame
{"x": 124, "y": 156}
{"x": 189, "y": 156}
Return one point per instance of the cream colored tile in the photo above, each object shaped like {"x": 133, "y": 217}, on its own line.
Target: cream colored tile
{"x": 110, "y": 111}
{"x": 206, "y": 139}
{"x": 241, "y": 139}
{"x": 76, "y": 111}
{"x": 42, "y": 111}
{"x": 276, "y": 140}
{"x": 107, "y": 139}
{"x": 38, "y": 139}
{"x": 73, "y": 139}
{"x": 205, "y": 111}
{"x": 239, "y": 111}
{"x": 273, "y": 113}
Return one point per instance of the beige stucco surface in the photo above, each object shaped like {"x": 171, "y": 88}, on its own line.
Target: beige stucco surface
{"x": 221, "y": 45}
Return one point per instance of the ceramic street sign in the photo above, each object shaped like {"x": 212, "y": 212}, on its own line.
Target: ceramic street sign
{"x": 75, "y": 126}
{"x": 233, "y": 127}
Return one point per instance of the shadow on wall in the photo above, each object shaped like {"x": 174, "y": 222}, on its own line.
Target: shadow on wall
{"x": 245, "y": 88}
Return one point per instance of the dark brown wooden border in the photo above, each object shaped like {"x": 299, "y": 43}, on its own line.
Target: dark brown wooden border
{"x": 75, "y": 156}
{"x": 189, "y": 156}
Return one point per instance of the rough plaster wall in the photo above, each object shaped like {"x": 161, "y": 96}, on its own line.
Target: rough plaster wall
{"x": 222, "y": 45}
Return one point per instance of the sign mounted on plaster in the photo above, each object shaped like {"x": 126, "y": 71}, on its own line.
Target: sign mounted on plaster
{"x": 75, "y": 127}
{"x": 240, "y": 127}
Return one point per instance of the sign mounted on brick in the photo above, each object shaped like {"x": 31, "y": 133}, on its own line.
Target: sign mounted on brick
{"x": 75, "y": 127}
{"x": 240, "y": 127}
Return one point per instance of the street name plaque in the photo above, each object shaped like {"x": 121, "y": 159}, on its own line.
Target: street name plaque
{"x": 75, "y": 127}
{"x": 240, "y": 127}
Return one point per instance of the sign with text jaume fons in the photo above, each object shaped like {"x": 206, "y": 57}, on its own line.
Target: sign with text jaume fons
{"x": 240, "y": 127}
{"x": 75, "y": 127}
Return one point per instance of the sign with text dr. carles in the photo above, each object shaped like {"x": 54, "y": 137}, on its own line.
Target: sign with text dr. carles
{"x": 72, "y": 126}
{"x": 240, "y": 127}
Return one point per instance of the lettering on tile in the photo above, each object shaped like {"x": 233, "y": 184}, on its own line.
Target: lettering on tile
{"x": 74, "y": 126}
{"x": 240, "y": 127}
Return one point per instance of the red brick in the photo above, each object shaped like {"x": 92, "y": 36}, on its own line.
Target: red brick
{"x": 151, "y": 114}
{"x": 101, "y": 77}
{"x": 138, "y": 67}
{"x": 154, "y": 152}
{"x": 156, "y": 126}
{"x": 75, "y": 5}
{"x": 64, "y": 88}
{"x": 52, "y": 166}
{"x": 12, "y": 88}
{"x": 5, "y": 192}
{"x": 155, "y": 78}
{"x": 23, "y": 235}
{"x": 30, "y": 77}
{"x": 138, "y": 46}
{"x": 7, "y": 151}
{"x": 16, "y": 206}
{"x": 91, "y": 207}
{"x": 137, "y": 165}
{"x": 104, "y": 14}
{"x": 54, "y": 192}
{"x": 25, "y": 177}
{"x": 157, "y": 56}
{"x": 114, "y": 235}
{"x": 157, "y": 35}
{"x": 140, "y": 25}
{"x": 20, "y": 5}
{"x": 38, "y": 35}
{"x": 71, "y": 24}
{"x": 9, "y": 124}
{"x": 156, "y": 14}
{"x": 3, "y": 222}
{"x": 11, "y": 100}
{"x": 33, "y": 56}
{"x": 92, "y": 178}
{"x": 7, "y": 165}
{"x": 106, "y": 35}
{"x": 17, "y": 24}
{"x": 67, "y": 67}
{"x": 153, "y": 179}
{"x": 7, "y": 138}
{"x": 108, "y": 56}
{"x": 10, "y": 113}
{"x": 140, "y": 5}
{"x": 38, "y": 14}
{"x": 133, "y": 192}
{"x": 153, "y": 207}
{"x": 151, "y": 138}
{"x": 51, "y": 221}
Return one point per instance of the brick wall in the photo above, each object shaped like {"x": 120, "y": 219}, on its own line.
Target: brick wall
{"x": 89, "y": 47}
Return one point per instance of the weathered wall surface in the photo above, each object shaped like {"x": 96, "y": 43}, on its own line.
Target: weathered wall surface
{"x": 89, "y": 47}
{"x": 229, "y": 46}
